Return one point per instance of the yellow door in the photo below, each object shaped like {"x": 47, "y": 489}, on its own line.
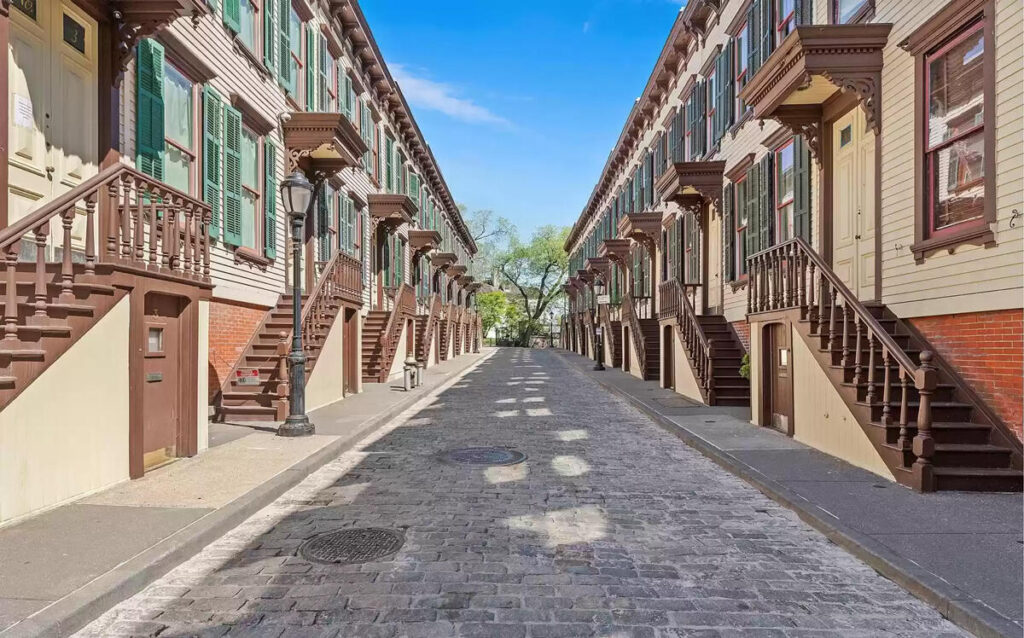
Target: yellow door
{"x": 853, "y": 203}
{"x": 53, "y": 103}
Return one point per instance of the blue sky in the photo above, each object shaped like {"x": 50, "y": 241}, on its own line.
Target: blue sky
{"x": 521, "y": 101}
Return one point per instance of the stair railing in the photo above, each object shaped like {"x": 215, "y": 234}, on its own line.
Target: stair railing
{"x": 132, "y": 221}
{"x": 793, "y": 275}
{"x": 404, "y": 306}
{"x": 340, "y": 279}
{"x": 431, "y": 324}
{"x": 698, "y": 346}
{"x": 635, "y": 331}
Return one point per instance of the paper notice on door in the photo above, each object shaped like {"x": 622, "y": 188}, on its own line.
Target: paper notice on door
{"x": 23, "y": 111}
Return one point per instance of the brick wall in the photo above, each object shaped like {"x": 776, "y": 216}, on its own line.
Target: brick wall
{"x": 231, "y": 327}
{"x": 742, "y": 329}
{"x": 986, "y": 349}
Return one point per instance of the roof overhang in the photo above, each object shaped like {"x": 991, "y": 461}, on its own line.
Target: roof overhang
{"x": 616, "y": 250}
{"x": 474, "y": 286}
{"x": 811, "y": 65}
{"x": 391, "y": 209}
{"x": 642, "y": 227}
{"x": 321, "y": 143}
{"x": 443, "y": 260}
{"x": 457, "y": 270}
{"x": 597, "y": 265}
{"x": 683, "y": 181}
{"x": 422, "y": 240}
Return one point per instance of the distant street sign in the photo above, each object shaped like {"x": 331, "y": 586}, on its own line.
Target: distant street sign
{"x": 604, "y": 299}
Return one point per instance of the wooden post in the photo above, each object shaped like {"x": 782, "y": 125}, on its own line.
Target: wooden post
{"x": 924, "y": 444}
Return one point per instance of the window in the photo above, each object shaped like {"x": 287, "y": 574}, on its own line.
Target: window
{"x": 711, "y": 118}
{"x": 251, "y": 206}
{"x": 848, "y": 11}
{"x": 179, "y": 126}
{"x": 741, "y": 49}
{"x": 294, "y": 60}
{"x": 785, "y": 14}
{"x": 955, "y": 132}
{"x": 328, "y": 79}
{"x": 249, "y": 23}
{"x": 784, "y": 192}
{"x": 742, "y": 220}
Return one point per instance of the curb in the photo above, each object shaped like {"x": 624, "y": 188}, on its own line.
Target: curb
{"x": 959, "y": 608}
{"x": 76, "y": 610}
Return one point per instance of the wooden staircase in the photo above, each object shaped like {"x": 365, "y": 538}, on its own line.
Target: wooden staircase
{"x": 446, "y": 333}
{"x": 928, "y": 425}
{"x": 645, "y": 334}
{"x": 426, "y": 326}
{"x": 267, "y": 350}
{"x": 54, "y": 289}
{"x": 729, "y": 387}
{"x": 381, "y": 333}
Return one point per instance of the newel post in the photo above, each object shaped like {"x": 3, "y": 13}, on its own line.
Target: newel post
{"x": 924, "y": 444}
{"x": 282, "y": 374}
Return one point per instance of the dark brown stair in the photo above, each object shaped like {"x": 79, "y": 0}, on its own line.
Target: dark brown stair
{"x": 730, "y": 389}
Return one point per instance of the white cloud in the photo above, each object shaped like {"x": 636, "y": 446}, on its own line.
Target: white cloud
{"x": 441, "y": 97}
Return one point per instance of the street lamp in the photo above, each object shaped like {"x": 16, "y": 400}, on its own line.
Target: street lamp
{"x": 599, "y": 291}
{"x": 297, "y": 194}
{"x": 551, "y": 328}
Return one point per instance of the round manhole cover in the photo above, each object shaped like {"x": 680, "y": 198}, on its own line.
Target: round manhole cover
{"x": 484, "y": 456}
{"x": 352, "y": 545}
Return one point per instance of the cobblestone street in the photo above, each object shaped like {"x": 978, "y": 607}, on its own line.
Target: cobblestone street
{"x": 611, "y": 527}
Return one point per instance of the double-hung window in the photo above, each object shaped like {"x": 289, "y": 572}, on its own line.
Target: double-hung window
{"x": 249, "y": 24}
{"x": 849, "y": 11}
{"x": 179, "y": 129}
{"x": 785, "y": 18}
{"x": 328, "y": 94}
{"x": 295, "y": 59}
{"x": 741, "y": 53}
{"x": 785, "y": 194}
{"x": 711, "y": 118}
{"x": 742, "y": 220}
{"x": 955, "y": 132}
{"x": 252, "y": 208}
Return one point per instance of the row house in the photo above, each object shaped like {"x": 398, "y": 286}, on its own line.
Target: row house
{"x": 147, "y": 255}
{"x": 813, "y": 210}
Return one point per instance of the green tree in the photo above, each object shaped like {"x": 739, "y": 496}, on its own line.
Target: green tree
{"x": 492, "y": 234}
{"x": 493, "y": 308}
{"x": 535, "y": 272}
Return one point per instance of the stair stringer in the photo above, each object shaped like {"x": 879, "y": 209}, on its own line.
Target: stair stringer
{"x": 825, "y": 418}
{"x": 325, "y": 383}
{"x": 684, "y": 375}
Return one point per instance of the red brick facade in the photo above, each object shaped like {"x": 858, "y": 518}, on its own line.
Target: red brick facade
{"x": 987, "y": 349}
{"x": 742, "y": 329}
{"x": 231, "y": 327}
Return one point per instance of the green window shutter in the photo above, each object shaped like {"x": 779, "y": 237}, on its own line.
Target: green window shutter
{"x": 213, "y": 124}
{"x": 310, "y": 68}
{"x": 767, "y": 35}
{"x": 728, "y": 234}
{"x": 347, "y": 97}
{"x": 729, "y": 80}
{"x": 149, "y": 108}
{"x": 389, "y": 167}
{"x": 801, "y": 189}
{"x": 270, "y": 47}
{"x": 233, "y": 15}
{"x": 753, "y": 205}
{"x": 702, "y": 117}
{"x": 322, "y": 70}
{"x": 284, "y": 50}
{"x": 269, "y": 200}
{"x": 804, "y": 12}
{"x": 232, "y": 176}
{"x": 753, "y": 35}
{"x": 323, "y": 221}
{"x": 767, "y": 207}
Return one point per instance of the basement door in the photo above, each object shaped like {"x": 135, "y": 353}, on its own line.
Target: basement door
{"x": 53, "y": 88}
{"x": 853, "y": 203}
{"x": 778, "y": 378}
{"x": 162, "y": 380}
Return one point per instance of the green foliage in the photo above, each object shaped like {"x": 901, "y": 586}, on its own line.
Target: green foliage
{"x": 494, "y": 309}
{"x": 534, "y": 272}
{"x": 745, "y": 366}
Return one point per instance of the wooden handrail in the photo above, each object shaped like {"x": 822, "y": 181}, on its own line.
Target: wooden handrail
{"x": 428, "y": 331}
{"x": 405, "y": 298}
{"x": 792, "y": 275}
{"x": 696, "y": 343}
{"x": 636, "y": 332}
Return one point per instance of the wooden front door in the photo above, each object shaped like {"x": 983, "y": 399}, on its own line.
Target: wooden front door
{"x": 350, "y": 347}
{"x": 668, "y": 362}
{"x": 626, "y": 344}
{"x": 162, "y": 379}
{"x": 778, "y": 378}
{"x": 853, "y": 203}
{"x": 53, "y": 89}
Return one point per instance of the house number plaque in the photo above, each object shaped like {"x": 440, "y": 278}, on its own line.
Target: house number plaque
{"x": 28, "y": 7}
{"x": 154, "y": 376}
{"x": 74, "y": 34}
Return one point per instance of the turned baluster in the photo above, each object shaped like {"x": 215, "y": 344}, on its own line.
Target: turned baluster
{"x": 833, "y": 334}
{"x": 67, "y": 275}
{"x": 903, "y": 442}
{"x": 871, "y": 368}
{"x": 11, "y": 297}
{"x": 858, "y": 369}
{"x": 140, "y": 222}
{"x": 153, "y": 221}
{"x": 750, "y": 292}
{"x": 802, "y": 290}
{"x": 165, "y": 253}
{"x": 125, "y": 212}
{"x": 924, "y": 444}
{"x": 845, "y": 361}
{"x": 39, "y": 298}
{"x": 90, "y": 238}
{"x": 710, "y": 371}
{"x": 186, "y": 215}
{"x": 886, "y": 390}
{"x": 111, "y": 219}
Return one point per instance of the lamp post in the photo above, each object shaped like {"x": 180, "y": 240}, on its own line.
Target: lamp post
{"x": 299, "y": 197}
{"x": 599, "y": 291}
{"x": 551, "y": 328}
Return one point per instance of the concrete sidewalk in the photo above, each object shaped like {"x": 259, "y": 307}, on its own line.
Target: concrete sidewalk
{"x": 959, "y": 551}
{"x": 61, "y": 569}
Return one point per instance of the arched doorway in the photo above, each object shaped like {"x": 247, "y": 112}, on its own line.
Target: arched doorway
{"x": 777, "y": 378}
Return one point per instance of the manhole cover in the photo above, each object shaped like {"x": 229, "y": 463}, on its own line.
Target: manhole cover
{"x": 352, "y": 545}
{"x": 484, "y": 456}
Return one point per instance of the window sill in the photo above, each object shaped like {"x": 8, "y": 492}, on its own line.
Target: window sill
{"x": 248, "y": 255}
{"x": 252, "y": 58}
{"x": 739, "y": 284}
{"x": 980, "y": 235}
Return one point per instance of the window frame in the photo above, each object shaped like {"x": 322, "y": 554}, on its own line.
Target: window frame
{"x": 298, "y": 74}
{"x": 784, "y": 24}
{"x": 740, "y": 69}
{"x": 710, "y": 106}
{"x": 863, "y": 14}
{"x": 946, "y": 24}
{"x": 196, "y": 114}
{"x": 257, "y": 27}
{"x": 778, "y": 206}
{"x": 739, "y": 203}
{"x": 259, "y": 210}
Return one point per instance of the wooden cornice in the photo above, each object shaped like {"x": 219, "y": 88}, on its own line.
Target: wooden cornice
{"x": 457, "y": 270}
{"x": 321, "y": 142}
{"x": 642, "y": 227}
{"x": 422, "y": 240}
{"x": 685, "y": 179}
{"x": 598, "y": 265}
{"x": 616, "y": 250}
{"x": 442, "y": 260}
{"x": 740, "y": 168}
{"x": 392, "y": 209}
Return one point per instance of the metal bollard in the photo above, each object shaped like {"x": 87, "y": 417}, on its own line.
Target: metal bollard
{"x": 410, "y": 373}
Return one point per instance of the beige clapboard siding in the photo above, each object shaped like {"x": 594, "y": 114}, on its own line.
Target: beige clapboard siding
{"x": 973, "y": 278}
